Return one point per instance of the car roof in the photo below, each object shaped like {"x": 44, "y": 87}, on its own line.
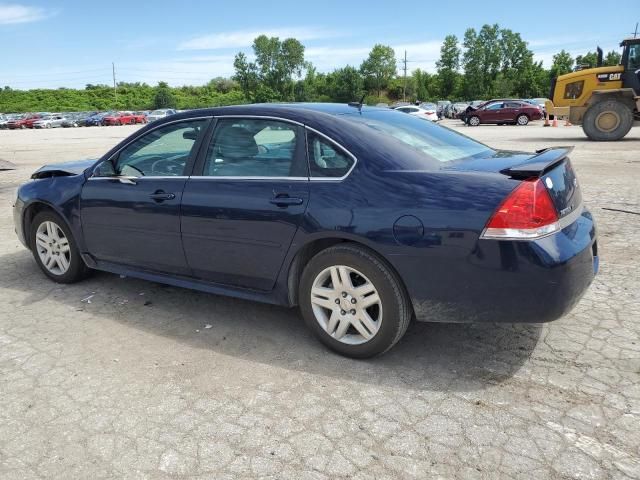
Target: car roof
{"x": 287, "y": 110}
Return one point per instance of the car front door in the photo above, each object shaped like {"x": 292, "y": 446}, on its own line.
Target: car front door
{"x": 130, "y": 207}
{"x": 493, "y": 113}
{"x": 245, "y": 201}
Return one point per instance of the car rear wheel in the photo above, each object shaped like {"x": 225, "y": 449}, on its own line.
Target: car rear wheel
{"x": 55, "y": 250}
{"x": 522, "y": 120}
{"x": 353, "y": 302}
{"x": 474, "y": 121}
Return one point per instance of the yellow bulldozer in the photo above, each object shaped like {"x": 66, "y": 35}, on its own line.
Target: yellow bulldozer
{"x": 604, "y": 100}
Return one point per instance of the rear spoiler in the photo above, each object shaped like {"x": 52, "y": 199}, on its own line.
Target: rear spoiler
{"x": 539, "y": 164}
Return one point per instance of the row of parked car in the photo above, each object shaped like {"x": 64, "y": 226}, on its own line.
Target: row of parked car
{"x": 497, "y": 111}
{"x": 80, "y": 119}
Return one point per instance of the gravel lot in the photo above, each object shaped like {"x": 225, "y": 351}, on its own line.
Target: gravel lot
{"x": 121, "y": 378}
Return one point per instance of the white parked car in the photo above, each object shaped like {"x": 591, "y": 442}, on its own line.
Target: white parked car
{"x": 161, "y": 113}
{"x": 427, "y": 114}
{"x": 49, "y": 121}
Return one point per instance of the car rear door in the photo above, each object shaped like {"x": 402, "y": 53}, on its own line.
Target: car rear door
{"x": 245, "y": 201}
{"x": 130, "y": 207}
{"x": 511, "y": 111}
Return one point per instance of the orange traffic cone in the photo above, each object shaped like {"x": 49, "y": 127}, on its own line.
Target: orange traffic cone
{"x": 555, "y": 121}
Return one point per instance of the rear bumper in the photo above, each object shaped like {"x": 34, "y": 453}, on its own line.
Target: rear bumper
{"x": 506, "y": 281}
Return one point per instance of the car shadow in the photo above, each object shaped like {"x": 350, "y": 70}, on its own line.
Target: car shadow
{"x": 431, "y": 356}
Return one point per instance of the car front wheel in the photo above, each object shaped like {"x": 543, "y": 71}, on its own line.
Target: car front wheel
{"x": 474, "y": 121}
{"x": 54, "y": 249}
{"x": 353, "y": 302}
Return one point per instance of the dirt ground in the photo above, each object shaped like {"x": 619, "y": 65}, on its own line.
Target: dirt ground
{"x": 122, "y": 378}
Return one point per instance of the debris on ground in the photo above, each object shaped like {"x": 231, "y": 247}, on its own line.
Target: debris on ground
{"x": 88, "y": 299}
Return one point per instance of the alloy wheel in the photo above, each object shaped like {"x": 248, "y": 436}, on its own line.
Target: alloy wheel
{"x": 53, "y": 248}
{"x": 474, "y": 121}
{"x": 346, "y": 304}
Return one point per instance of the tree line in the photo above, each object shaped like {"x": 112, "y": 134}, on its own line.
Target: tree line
{"x": 486, "y": 63}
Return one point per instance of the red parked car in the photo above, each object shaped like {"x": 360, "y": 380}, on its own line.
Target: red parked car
{"x": 26, "y": 121}
{"x": 503, "y": 111}
{"x": 124, "y": 118}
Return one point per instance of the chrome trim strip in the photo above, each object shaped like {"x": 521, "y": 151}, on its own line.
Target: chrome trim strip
{"x": 267, "y": 117}
{"x": 150, "y": 177}
{"x": 532, "y": 233}
{"x": 213, "y": 177}
{"x": 333, "y": 179}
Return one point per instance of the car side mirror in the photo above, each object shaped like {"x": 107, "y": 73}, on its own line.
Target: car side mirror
{"x": 105, "y": 169}
{"x": 190, "y": 134}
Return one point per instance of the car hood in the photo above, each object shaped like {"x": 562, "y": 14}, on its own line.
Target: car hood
{"x": 63, "y": 169}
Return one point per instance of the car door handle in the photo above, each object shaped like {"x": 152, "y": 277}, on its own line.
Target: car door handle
{"x": 161, "y": 196}
{"x": 285, "y": 201}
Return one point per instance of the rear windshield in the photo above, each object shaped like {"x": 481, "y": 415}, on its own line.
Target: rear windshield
{"x": 433, "y": 141}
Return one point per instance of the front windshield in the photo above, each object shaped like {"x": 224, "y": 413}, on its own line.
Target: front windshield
{"x": 435, "y": 142}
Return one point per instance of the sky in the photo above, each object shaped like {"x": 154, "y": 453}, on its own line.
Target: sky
{"x": 54, "y": 43}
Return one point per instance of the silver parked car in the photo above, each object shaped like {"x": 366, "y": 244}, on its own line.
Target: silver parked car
{"x": 49, "y": 121}
{"x": 160, "y": 113}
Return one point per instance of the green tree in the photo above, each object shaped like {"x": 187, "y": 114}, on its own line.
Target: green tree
{"x": 348, "y": 84}
{"x": 271, "y": 75}
{"x": 246, "y": 74}
{"x": 163, "y": 97}
{"x": 588, "y": 60}
{"x": 379, "y": 67}
{"x": 562, "y": 64}
{"x": 612, "y": 58}
{"x": 472, "y": 63}
{"x": 448, "y": 66}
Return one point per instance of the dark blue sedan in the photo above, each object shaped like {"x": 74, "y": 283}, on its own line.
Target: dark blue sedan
{"x": 365, "y": 218}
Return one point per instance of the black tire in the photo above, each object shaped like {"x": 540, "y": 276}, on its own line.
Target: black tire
{"x": 77, "y": 268}
{"x": 612, "y": 108}
{"x": 522, "y": 120}
{"x": 474, "y": 121}
{"x": 394, "y": 300}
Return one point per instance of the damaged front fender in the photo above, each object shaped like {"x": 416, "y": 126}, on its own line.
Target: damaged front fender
{"x": 64, "y": 169}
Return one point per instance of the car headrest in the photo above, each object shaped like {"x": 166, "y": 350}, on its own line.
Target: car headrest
{"x": 236, "y": 142}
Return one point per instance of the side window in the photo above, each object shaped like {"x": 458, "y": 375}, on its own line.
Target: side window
{"x": 495, "y": 106}
{"x": 250, "y": 147}
{"x": 513, "y": 105}
{"x": 327, "y": 159}
{"x": 634, "y": 57}
{"x": 161, "y": 152}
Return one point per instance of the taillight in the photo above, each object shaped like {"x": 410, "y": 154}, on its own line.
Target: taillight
{"x": 429, "y": 113}
{"x": 527, "y": 213}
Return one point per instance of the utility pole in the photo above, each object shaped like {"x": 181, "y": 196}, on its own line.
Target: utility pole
{"x": 635, "y": 33}
{"x": 115, "y": 87}
{"x": 404, "y": 87}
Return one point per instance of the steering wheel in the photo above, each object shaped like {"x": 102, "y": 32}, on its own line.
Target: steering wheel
{"x": 154, "y": 165}
{"x": 262, "y": 149}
